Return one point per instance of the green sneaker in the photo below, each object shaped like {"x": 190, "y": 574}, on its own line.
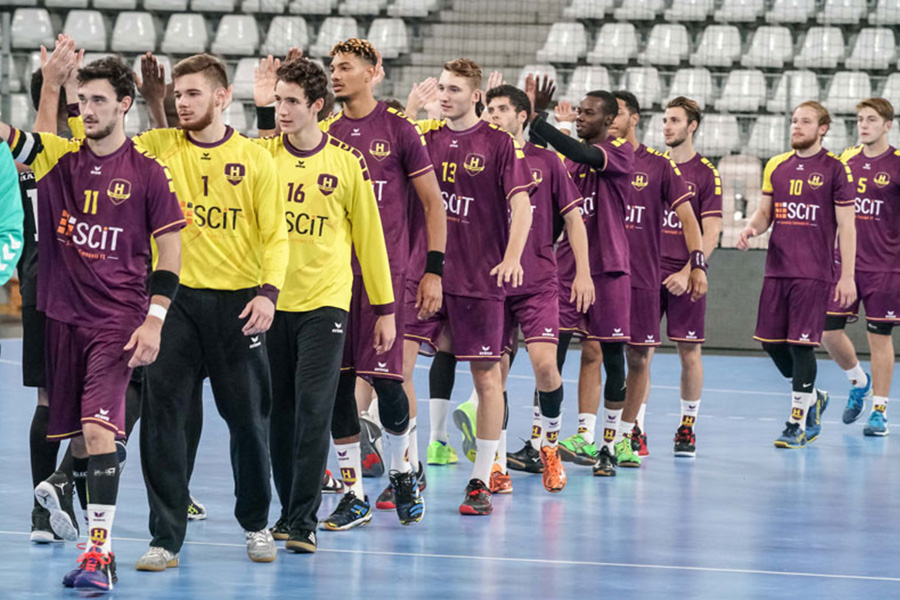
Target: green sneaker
{"x": 575, "y": 449}
{"x": 626, "y": 456}
{"x": 441, "y": 454}
{"x": 464, "y": 417}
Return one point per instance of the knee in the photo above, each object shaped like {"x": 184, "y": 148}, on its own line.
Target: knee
{"x": 690, "y": 355}
{"x": 638, "y": 358}
{"x": 590, "y": 353}
{"x": 487, "y": 376}
{"x": 98, "y": 440}
{"x": 393, "y": 405}
{"x": 547, "y": 375}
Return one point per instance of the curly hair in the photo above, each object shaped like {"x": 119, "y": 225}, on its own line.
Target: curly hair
{"x": 306, "y": 74}
{"x": 361, "y": 48}
{"x": 112, "y": 69}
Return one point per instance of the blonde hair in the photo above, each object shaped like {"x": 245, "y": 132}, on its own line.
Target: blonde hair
{"x": 821, "y": 111}
{"x": 466, "y": 68}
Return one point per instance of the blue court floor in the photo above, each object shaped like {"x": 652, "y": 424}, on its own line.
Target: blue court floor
{"x": 743, "y": 520}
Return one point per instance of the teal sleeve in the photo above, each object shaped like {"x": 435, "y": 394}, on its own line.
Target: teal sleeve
{"x": 12, "y": 217}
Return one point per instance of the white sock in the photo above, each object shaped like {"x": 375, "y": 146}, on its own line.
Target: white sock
{"x": 610, "y": 426}
{"x": 473, "y": 398}
{"x": 100, "y": 522}
{"x": 373, "y": 415}
{"x": 350, "y": 464}
{"x": 399, "y": 451}
{"x": 587, "y": 424}
{"x": 879, "y": 403}
{"x": 856, "y": 376}
{"x": 800, "y": 403}
{"x": 414, "y": 443}
{"x": 551, "y": 430}
{"x": 689, "y": 411}
{"x": 536, "y": 428}
{"x": 440, "y": 409}
{"x": 640, "y": 418}
{"x": 486, "y": 450}
{"x": 500, "y": 459}
{"x": 624, "y": 430}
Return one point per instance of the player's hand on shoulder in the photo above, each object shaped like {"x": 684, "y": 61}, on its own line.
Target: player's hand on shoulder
{"x": 144, "y": 343}
{"x": 429, "y": 295}
{"x": 385, "y": 334}
{"x": 259, "y": 313}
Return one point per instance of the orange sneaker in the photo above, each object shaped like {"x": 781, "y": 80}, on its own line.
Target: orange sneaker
{"x": 554, "y": 473}
{"x": 501, "y": 483}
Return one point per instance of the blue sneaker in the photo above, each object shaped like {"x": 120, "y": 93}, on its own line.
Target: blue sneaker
{"x": 791, "y": 437}
{"x": 814, "y": 416}
{"x": 97, "y": 570}
{"x": 857, "y": 401}
{"x": 409, "y": 503}
{"x": 877, "y": 425}
{"x": 350, "y": 512}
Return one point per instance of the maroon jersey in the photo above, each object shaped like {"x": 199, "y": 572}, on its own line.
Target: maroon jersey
{"x": 877, "y": 209}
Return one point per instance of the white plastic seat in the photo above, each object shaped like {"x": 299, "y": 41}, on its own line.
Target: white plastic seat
{"x": 361, "y": 7}
{"x": 894, "y": 135}
{"x": 333, "y": 30}
{"x": 242, "y": 81}
{"x": 115, "y": 5}
{"x": 771, "y": 47}
{"x": 538, "y": 71}
{"x": 588, "y": 9}
{"x": 90, "y": 57}
{"x": 822, "y": 48}
{"x": 219, "y": 6}
{"x": 744, "y": 91}
{"x": 165, "y": 61}
{"x": 412, "y": 8}
{"x": 719, "y": 135}
{"x": 791, "y": 11}
{"x": 88, "y": 27}
{"x": 887, "y": 12}
{"x": 236, "y": 116}
{"x": 390, "y": 37}
{"x": 842, "y": 12}
{"x": 769, "y": 136}
{"x": 134, "y": 32}
{"x": 720, "y": 46}
{"x": 311, "y": 7}
{"x": 566, "y": 43}
{"x": 285, "y": 32}
{"x": 668, "y": 44}
{"x": 874, "y": 49}
{"x": 846, "y": 90}
{"x": 587, "y": 79}
{"x": 136, "y": 119}
{"x": 264, "y": 6}
{"x": 236, "y": 35}
{"x": 31, "y": 28}
{"x": 639, "y": 10}
{"x": 644, "y": 83}
{"x": 66, "y": 4}
{"x": 740, "y": 11}
{"x": 696, "y": 84}
{"x": 617, "y": 43}
{"x": 803, "y": 86}
{"x": 166, "y": 5}
{"x": 21, "y": 112}
{"x": 690, "y": 10}
{"x": 653, "y": 133}
{"x": 185, "y": 34}
{"x": 15, "y": 82}
{"x": 838, "y": 138}
{"x": 892, "y": 87}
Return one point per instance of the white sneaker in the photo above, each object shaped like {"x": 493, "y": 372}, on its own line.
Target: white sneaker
{"x": 157, "y": 559}
{"x": 261, "y": 546}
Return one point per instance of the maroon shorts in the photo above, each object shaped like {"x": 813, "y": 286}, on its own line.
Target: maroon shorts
{"x": 87, "y": 375}
{"x": 792, "y": 311}
{"x": 570, "y": 320}
{"x": 685, "y": 319}
{"x": 415, "y": 330}
{"x": 476, "y": 328}
{"x": 537, "y": 314}
{"x": 359, "y": 352}
{"x": 879, "y": 294}
{"x": 644, "y": 317}
{"x": 609, "y": 319}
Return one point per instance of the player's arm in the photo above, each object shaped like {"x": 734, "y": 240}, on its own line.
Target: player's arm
{"x": 11, "y": 215}
{"x": 424, "y": 96}
{"x": 585, "y": 154}
{"x": 152, "y": 86}
{"x": 845, "y": 291}
{"x": 697, "y": 284}
{"x": 510, "y": 269}
{"x": 583, "y": 286}
{"x": 565, "y": 116}
{"x": 59, "y": 70}
{"x": 430, "y": 293}
{"x": 759, "y": 222}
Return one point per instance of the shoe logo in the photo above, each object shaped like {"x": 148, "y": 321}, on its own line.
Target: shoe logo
{"x": 61, "y": 486}
{"x": 806, "y": 386}
{"x": 254, "y": 342}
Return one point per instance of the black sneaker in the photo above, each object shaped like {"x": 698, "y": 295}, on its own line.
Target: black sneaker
{"x": 302, "y": 541}
{"x": 195, "y": 510}
{"x": 350, "y": 512}
{"x": 527, "y": 459}
{"x": 280, "y": 531}
{"x": 477, "y": 500}
{"x": 685, "y": 442}
{"x": 606, "y": 463}
{"x": 55, "y": 494}
{"x": 410, "y": 505}
{"x": 41, "y": 533}
{"x": 420, "y": 477}
{"x": 369, "y": 448}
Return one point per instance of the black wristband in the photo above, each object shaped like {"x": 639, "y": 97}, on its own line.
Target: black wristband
{"x": 265, "y": 117}
{"x": 698, "y": 260}
{"x": 434, "y": 263}
{"x": 163, "y": 283}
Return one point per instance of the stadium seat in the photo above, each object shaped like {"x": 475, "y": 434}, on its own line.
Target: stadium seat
{"x": 744, "y": 91}
{"x": 740, "y": 11}
{"x": 842, "y": 12}
{"x": 88, "y": 27}
{"x": 264, "y": 6}
{"x": 791, "y": 11}
{"x": 115, "y": 4}
{"x": 218, "y": 6}
{"x": 236, "y": 35}
{"x": 390, "y": 37}
{"x": 894, "y": 134}
{"x": 236, "y": 116}
{"x": 822, "y": 48}
{"x": 134, "y": 32}
{"x": 333, "y": 30}
{"x": 243, "y": 78}
{"x": 66, "y": 4}
{"x": 690, "y": 10}
{"x": 720, "y": 46}
{"x": 741, "y": 175}
{"x": 185, "y": 34}
{"x": 769, "y": 136}
{"x": 846, "y": 90}
{"x": 771, "y": 47}
{"x": 875, "y": 48}
{"x": 22, "y": 3}
{"x": 668, "y": 44}
{"x": 136, "y": 119}
{"x": 887, "y": 12}
{"x": 21, "y": 112}
{"x": 361, "y": 7}
{"x": 617, "y": 43}
{"x": 644, "y": 83}
{"x": 538, "y": 70}
{"x": 588, "y": 9}
{"x": 15, "y": 82}
{"x": 311, "y": 7}
{"x": 412, "y": 8}
{"x": 653, "y": 132}
{"x": 285, "y": 32}
{"x": 587, "y": 79}
{"x": 892, "y": 89}
{"x": 804, "y": 86}
{"x": 719, "y": 135}
{"x": 566, "y": 43}
{"x": 837, "y": 139}
{"x": 692, "y": 83}
{"x": 639, "y": 10}
{"x": 31, "y": 27}
{"x": 165, "y": 61}
{"x": 166, "y": 5}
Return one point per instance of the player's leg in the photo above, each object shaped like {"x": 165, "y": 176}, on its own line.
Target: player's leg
{"x": 637, "y": 383}
{"x": 881, "y": 347}
{"x": 501, "y": 482}
{"x": 691, "y": 390}
{"x": 842, "y": 352}
{"x": 489, "y": 388}
{"x": 581, "y": 448}
{"x": 193, "y": 431}
{"x": 282, "y": 350}
{"x": 550, "y": 399}
{"x": 613, "y": 355}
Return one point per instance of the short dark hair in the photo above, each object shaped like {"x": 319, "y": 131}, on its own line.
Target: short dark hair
{"x": 37, "y": 82}
{"x": 115, "y": 71}
{"x": 209, "y": 65}
{"x": 630, "y": 100}
{"x": 308, "y": 75}
{"x": 395, "y": 104}
{"x": 327, "y": 107}
{"x": 610, "y": 106}
{"x": 517, "y": 98}
{"x": 690, "y": 107}
{"x": 361, "y": 48}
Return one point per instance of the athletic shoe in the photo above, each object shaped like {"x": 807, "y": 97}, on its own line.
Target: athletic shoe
{"x": 857, "y": 401}
{"x": 791, "y": 437}
{"x": 157, "y": 559}
{"x": 70, "y": 577}
{"x": 814, "y": 416}
{"x": 261, "y": 546}
{"x": 55, "y": 494}
{"x": 97, "y": 570}
{"x": 576, "y": 449}
{"x": 372, "y": 458}
{"x": 386, "y": 500}
{"x": 420, "y": 477}
{"x": 554, "y": 473}
{"x": 121, "y": 454}
{"x": 465, "y": 418}
{"x": 330, "y": 485}
{"x": 685, "y": 442}
{"x": 196, "y": 511}
{"x": 606, "y": 463}
{"x": 639, "y": 441}
{"x": 41, "y": 532}
{"x": 527, "y": 459}
{"x": 280, "y": 531}
{"x": 302, "y": 541}
{"x": 350, "y": 512}
{"x": 500, "y": 483}
{"x": 410, "y": 505}
{"x": 877, "y": 425}
{"x": 477, "y": 500}
{"x": 625, "y": 455}
{"x": 441, "y": 453}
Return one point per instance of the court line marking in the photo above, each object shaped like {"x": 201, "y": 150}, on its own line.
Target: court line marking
{"x": 542, "y": 561}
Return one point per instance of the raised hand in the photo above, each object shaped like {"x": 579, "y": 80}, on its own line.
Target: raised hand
{"x": 423, "y": 95}
{"x": 543, "y": 94}
{"x": 564, "y": 112}
{"x": 264, "y": 79}
{"x": 57, "y": 67}
{"x": 152, "y": 81}
{"x": 495, "y": 79}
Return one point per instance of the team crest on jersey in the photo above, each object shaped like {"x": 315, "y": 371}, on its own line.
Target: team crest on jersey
{"x": 537, "y": 175}
{"x": 234, "y": 173}
{"x": 474, "y": 164}
{"x": 882, "y": 179}
{"x": 692, "y": 187}
{"x": 816, "y": 180}
{"x": 640, "y": 181}
{"x": 119, "y": 191}
{"x": 380, "y": 149}
{"x": 327, "y": 183}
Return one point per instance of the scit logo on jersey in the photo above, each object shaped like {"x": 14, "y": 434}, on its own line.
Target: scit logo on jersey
{"x": 671, "y": 220}
{"x": 796, "y": 211}
{"x": 83, "y": 234}
{"x": 816, "y": 180}
{"x": 119, "y": 191}
{"x": 327, "y": 183}
{"x": 474, "y": 164}
{"x": 882, "y": 179}
{"x": 348, "y": 474}
{"x": 640, "y": 181}
{"x": 634, "y": 214}
{"x": 235, "y": 172}
{"x": 380, "y": 149}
